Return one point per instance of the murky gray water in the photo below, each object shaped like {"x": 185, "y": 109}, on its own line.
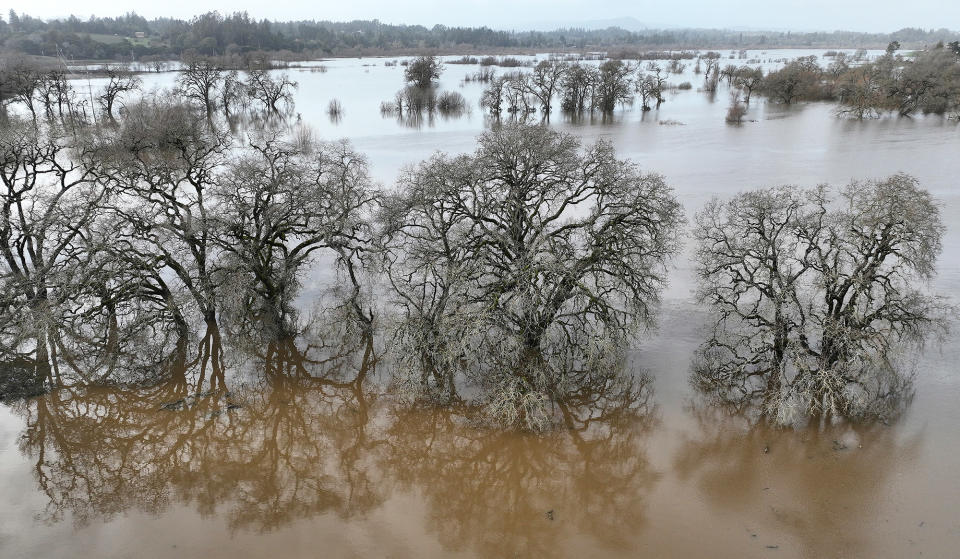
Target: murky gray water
{"x": 314, "y": 469}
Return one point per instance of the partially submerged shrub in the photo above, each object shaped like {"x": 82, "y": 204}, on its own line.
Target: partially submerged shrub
{"x": 737, "y": 109}
{"x": 451, "y": 102}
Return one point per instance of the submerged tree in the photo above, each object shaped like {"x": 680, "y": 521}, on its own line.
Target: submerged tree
{"x": 799, "y": 79}
{"x": 737, "y": 109}
{"x": 274, "y": 93}
{"x": 577, "y": 88}
{"x": 279, "y": 205}
{"x": 51, "y": 194}
{"x": 651, "y": 85}
{"x": 232, "y": 93}
{"x": 748, "y": 79}
{"x": 860, "y": 92}
{"x": 614, "y": 85}
{"x": 164, "y": 159}
{"x": 119, "y": 81}
{"x": 528, "y": 253}
{"x": 544, "y": 82}
{"x": 421, "y": 71}
{"x": 55, "y": 93}
{"x": 929, "y": 83}
{"x": 492, "y": 96}
{"x": 20, "y": 80}
{"x": 813, "y": 292}
{"x": 199, "y": 80}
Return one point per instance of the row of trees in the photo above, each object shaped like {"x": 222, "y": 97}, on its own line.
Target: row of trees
{"x": 134, "y": 235}
{"x": 213, "y": 33}
{"x": 580, "y": 87}
{"x": 587, "y": 88}
{"x": 927, "y": 82}
{"x": 46, "y": 90}
{"x": 130, "y": 235}
{"x": 524, "y": 268}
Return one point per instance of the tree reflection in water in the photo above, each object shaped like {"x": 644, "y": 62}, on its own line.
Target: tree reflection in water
{"x": 499, "y": 492}
{"x": 794, "y": 482}
{"x": 291, "y": 431}
{"x": 260, "y": 455}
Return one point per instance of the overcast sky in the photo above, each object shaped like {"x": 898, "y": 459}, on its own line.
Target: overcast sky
{"x": 858, "y": 15}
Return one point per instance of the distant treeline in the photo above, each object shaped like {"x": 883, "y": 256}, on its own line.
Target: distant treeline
{"x": 133, "y": 37}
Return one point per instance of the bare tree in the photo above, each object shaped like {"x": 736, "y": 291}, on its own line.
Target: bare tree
{"x": 614, "y": 86}
{"x": 530, "y": 249}
{"x": 165, "y": 160}
{"x": 929, "y": 82}
{"x": 659, "y": 83}
{"x": 199, "y": 80}
{"x": 711, "y": 79}
{"x": 711, "y": 61}
{"x": 748, "y": 79}
{"x": 282, "y": 203}
{"x": 515, "y": 92}
{"x": 650, "y": 85}
{"x": 492, "y": 96}
{"x": 20, "y": 80}
{"x": 54, "y": 92}
{"x": 800, "y": 79}
{"x": 50, "y": 197}
{"x": 839, "y": 65}
{"x": 544, "y": 82}
{"x": 860, "y": 92}
{"x": 120, "y": 81}
{"x": 645, "y": 87}
{"x": 728, "y": 73}
{"x": 232, "y": 94}
{"x": 814, "y": 292}
{"x": 158, "y": 63}
{"x": 737, "y": 109}
{"x": 578, "y": 86}
{"x": 273, "y": 92}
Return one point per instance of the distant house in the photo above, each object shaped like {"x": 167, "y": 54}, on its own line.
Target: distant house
{"x": 140, "y": 35}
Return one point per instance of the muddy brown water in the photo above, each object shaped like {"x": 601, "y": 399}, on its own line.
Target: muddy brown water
{"x": 289, "y": 465}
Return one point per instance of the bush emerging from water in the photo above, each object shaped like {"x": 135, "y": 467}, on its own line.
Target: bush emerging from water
{"x": 451, "y": 102}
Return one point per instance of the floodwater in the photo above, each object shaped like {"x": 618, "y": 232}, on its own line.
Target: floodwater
{"x": 295, "y": 457}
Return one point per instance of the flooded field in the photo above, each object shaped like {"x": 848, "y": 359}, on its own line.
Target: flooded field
{"x": 303, "y": 451}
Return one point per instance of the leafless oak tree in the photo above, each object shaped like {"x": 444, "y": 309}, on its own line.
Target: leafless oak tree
{"x": 272, "y": 92}
{"x": 814, "y": 291}
{"x": 198, "y": 81}
{"x": 51, "y": 194}
{"x": 120, "y": 81}
{"x": 280, "y": 204}
{"x": 529, "y": 249}
{"x": 544, "y": 82}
